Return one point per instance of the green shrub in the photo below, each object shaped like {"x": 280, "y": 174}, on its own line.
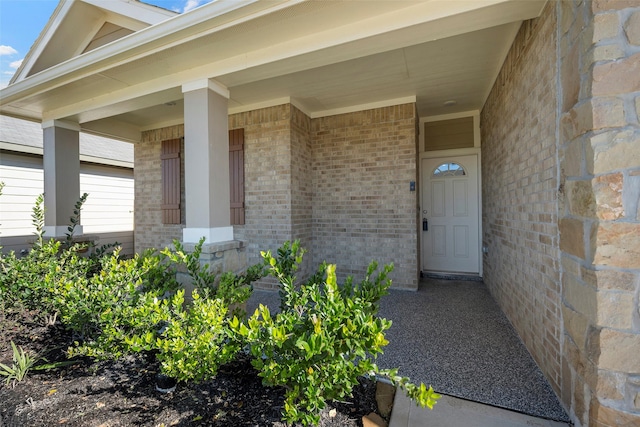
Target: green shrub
{"x": 324, "y": 338}
{"x": 32, "y": 281}
{"x": 135, "y": 306}
{"x": 99, "y": 308}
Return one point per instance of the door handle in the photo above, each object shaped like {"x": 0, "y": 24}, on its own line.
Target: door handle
{"x": 425, "y": 224}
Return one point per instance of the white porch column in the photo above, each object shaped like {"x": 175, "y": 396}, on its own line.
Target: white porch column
{"x": 61, "y": 161}
{"x": 206, "y": 162}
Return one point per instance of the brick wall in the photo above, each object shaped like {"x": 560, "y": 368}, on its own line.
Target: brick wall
{"x": 149, "y": 230}
{"x": 362, "y": 207}
{"x": 520, "y": 183}
{"x": 600, "y": 226}
{"x": 340, "y": 184}
{"x": 277, "y": 180}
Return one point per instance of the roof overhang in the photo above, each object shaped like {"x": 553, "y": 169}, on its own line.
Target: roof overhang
{"x": 322, "y": 56}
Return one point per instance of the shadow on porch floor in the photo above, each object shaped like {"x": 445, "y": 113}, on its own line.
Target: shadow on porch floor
{"x": 452, "y": 334}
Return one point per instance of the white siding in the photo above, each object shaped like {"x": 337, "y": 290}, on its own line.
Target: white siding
{"x": 107, "y": 213}
{"x": 23, "y": 179}
{"x": 109, "y": 207}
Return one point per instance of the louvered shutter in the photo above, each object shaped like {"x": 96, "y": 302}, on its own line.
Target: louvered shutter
{"x": 171, "y": 181}
{"x": 236, "y": 175}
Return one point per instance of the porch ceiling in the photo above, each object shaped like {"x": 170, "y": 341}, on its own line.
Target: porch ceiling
{"x": 324, "y": 56}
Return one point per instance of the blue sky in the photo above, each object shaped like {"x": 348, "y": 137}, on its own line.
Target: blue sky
{"x": 22, "y": 20}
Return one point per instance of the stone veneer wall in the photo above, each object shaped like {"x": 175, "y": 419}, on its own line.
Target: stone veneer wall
{"x": 520, "y": 183}
{"x": 150, "y": 232}
{"x": 599, "y": 54}
{"x": 362, "y": 207}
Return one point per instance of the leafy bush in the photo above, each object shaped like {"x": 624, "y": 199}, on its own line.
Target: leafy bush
{"x": 33, "y": 281}
{"x": 99, "y": 308}
{"x": 325, "y": 337}
{"x": 136, "y": 306}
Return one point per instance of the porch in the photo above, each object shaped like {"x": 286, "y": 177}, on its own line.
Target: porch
{"x": 452, "y": 334}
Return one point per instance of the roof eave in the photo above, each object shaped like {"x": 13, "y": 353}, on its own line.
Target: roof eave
{"x": 144, "y": 42}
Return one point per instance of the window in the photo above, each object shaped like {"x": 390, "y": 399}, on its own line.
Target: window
{"x": 448, "y": 169}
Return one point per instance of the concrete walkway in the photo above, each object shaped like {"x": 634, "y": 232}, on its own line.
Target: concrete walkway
{"x": 454, "y": 412}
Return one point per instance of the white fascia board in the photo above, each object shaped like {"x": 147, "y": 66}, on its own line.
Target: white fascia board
{"x": 27, "y": 149}
{"x": 19, "y": 148}
{"x": 135, "y": 10}
{"x": 107, "y": 162}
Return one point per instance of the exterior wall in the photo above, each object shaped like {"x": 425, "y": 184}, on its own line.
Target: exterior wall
{"x": 362, "y": 207}
{"x": 109, "y": 206}
{"x": 107, "y": 213}
{"x": 267, "y": 165}
{"x": 599, "y": 227}
{"x": 150, "y": 231}
{"x": 520, "y": 183}
{"x": 289, "y": 195}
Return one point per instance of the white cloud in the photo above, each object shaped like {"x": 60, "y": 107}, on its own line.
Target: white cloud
{"x": 7, "y": 50}
{"x": 16, "y": 64}
{"x": 191, "y": 4}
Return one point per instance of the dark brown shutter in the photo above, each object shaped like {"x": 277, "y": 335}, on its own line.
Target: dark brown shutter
{"x": 236, "y": 175}
{"x": 171, "y": 181}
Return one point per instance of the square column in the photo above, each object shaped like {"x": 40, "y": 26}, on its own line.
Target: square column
{"x": 206, "y": 158}
{"x": 61, "y": 161}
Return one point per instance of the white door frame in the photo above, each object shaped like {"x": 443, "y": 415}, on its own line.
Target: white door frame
{"x": 450, "y": 153}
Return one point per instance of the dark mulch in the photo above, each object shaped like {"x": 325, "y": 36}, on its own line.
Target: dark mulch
{"x": 123, "y": 393}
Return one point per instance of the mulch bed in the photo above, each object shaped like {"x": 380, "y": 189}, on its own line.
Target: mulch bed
{"x": 123, "y": 392}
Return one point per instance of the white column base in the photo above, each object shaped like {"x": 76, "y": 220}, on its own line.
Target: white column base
{"x": 211, "y": 235}
{"x": 54, "y": 231}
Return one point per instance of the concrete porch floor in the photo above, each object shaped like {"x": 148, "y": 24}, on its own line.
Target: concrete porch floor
{"x": 451, "y": 334}
{"x": 453, "y": 412}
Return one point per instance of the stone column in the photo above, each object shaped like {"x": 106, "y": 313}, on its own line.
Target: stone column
{"x": 599, "y": 55}
{"x": 61, "y": 175}
{"x": 206, "y": 162}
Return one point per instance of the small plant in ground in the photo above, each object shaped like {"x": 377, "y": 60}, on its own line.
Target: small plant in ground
{"x": 22, "y": 363}
{"x": 324, "y": 338}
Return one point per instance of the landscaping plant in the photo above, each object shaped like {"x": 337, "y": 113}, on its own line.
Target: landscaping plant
{"x": 324, "y": 338}
{"x": 22, "y": 363}
{"x": 137, "y": 306}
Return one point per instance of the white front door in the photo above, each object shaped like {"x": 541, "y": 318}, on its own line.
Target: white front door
{"x": 450, "y": 200}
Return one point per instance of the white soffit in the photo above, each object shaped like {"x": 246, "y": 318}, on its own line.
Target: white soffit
{"x": 272, "y": 50}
